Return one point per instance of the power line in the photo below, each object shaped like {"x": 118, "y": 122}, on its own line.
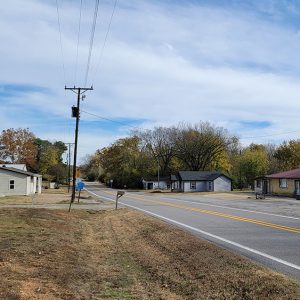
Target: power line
{"x": 78, "y": 38}
{"x": 91, "y": 41}
{"x": 139, "y": 128}
{"x": 268, "y": 135}
{"x": 114, "y": 121}
{"x": 60, "y": 39}
{"x": 105, "y": 39}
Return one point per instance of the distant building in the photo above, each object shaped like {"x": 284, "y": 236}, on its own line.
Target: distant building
{"x": 15, "y": 181}
{"x": 153, "y": 184}
{"x": 200, "y": 181}
{"x": 283, "y": 183}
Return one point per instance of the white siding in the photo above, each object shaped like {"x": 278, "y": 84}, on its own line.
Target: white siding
{"x": 162, "y": 184}
{"x": 222, "y": 184}
{"x": 21, "y": 183}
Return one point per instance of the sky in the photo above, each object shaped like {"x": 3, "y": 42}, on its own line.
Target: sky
{"x": 233, "y": 63}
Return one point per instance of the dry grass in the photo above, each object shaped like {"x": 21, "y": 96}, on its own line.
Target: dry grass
{"x": 46, "y": 254}
{"x": 48, "y": 196}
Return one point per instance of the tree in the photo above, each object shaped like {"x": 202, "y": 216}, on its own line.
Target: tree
{"x": 160, "y": 143}
{"x": 253, "y": 162}
{"x": 125, "y": 162}
{"x": 58, "y": 172}
{"x": 91, "y": 168}
{"x": 201, "y": 145}
{"x": 48, "y": 155}
{"x": 18, "y": 146}
{"x": 288, "y": 155}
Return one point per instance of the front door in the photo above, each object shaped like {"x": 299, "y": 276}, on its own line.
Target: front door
{"x": 297, "y": 187}
{"x": 265, "y": 189}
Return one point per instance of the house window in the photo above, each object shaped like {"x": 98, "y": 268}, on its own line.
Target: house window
{"x": 283, "y": 183}
{"x": 193, "y": 185}
{"x": 210, "y": 186}
{"x": 11, "y": 184}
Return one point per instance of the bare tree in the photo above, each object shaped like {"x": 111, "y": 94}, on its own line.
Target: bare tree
{"x": 199, "y": 145}
{"x": 160, "y": 143}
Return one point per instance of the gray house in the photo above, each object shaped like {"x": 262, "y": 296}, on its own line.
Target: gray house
{"x": 14, "y": 181}
{"x": 200, "y": 181}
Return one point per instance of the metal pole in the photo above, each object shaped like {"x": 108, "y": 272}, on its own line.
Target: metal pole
{"x": 79, "y": 195}
{"x": 240, "y": 167}
{"x": 158, "y": 172}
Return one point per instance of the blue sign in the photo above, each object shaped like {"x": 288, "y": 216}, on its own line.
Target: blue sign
{"x": 80, "y": 185}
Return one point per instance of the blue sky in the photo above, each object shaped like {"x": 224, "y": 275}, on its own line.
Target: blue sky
{"x": 233, "y": 63}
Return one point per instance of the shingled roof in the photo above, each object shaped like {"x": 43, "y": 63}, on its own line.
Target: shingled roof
{"x": 197, "y": 176}
{"x": 14, "y": 170}
{"x": 292, "y": 174}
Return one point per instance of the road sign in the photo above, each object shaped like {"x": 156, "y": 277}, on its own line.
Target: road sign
{"x": 80, "y": 185}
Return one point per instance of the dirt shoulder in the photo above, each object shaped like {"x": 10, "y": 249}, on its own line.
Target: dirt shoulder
{"x": 52, "y": 198}
{"x": 52, "y": 254}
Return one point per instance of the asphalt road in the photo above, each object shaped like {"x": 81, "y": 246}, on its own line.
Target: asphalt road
{"x": 266, "y": 231}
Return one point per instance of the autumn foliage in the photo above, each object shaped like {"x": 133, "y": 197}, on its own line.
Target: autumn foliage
{"x": 18, "y": 146}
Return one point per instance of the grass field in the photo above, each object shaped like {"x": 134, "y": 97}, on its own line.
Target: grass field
{"x": 52, "y": 254}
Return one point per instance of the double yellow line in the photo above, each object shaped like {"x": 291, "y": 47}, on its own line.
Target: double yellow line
{"x": 218, "y": 214}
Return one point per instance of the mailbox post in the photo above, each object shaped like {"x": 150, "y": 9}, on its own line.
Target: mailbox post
{"x": 119, "y": 195}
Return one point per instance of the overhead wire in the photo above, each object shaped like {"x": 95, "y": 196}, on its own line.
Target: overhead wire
{"x": 105, "y": 40}
{"x": 143, "y": 129}
{"x": 114, "y": 121}
{"x": 91, "y": 41}
{"x": 269, "y": 135}
{"x": 60, "y": 39}
{"x": 78, "y": 40}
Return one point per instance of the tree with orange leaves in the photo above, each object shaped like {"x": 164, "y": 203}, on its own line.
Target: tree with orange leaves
{"x": 18, "y": 146}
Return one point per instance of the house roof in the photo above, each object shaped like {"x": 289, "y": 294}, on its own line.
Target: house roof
{"x": 292, "y": 174}
{"x": 197, "y": 175}
{"x": 174, "y": 177}
{"x": 14, "y": 170}
{"x": 151, "y": 179}
{"x": 16, "y": 166}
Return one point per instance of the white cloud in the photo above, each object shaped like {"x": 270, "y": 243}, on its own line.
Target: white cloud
{"x": 163, "y": 63}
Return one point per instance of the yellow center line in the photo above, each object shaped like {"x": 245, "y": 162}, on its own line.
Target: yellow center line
{"x": 215, "y": 213}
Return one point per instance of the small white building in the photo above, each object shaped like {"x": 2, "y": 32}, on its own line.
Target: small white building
{"x": 154, "y": 184}
{"x": 200, "y": 181}
{"x": 15, "y": 181}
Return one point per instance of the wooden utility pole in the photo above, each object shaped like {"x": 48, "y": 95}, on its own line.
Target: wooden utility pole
{"x": 69, "y": 165}
{"x": 76, "y": 114}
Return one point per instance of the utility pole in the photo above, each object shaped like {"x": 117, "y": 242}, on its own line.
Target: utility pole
{"x": 76, "y": 114}
{"x": 158, "y": 172}
{"x": 69, "y": 165}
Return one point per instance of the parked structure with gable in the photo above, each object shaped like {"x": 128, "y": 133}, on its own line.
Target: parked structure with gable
{"x": 200, "y": 181}
{"x": 14, "y": 181}
{"x": 153, "y": 183}
{"x": 283, "y": 183}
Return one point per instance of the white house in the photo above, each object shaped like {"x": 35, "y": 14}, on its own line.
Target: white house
{"x": 153, "y": 183}
{"x": 14, "y": 181}
{"x": 200, "y": 181}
